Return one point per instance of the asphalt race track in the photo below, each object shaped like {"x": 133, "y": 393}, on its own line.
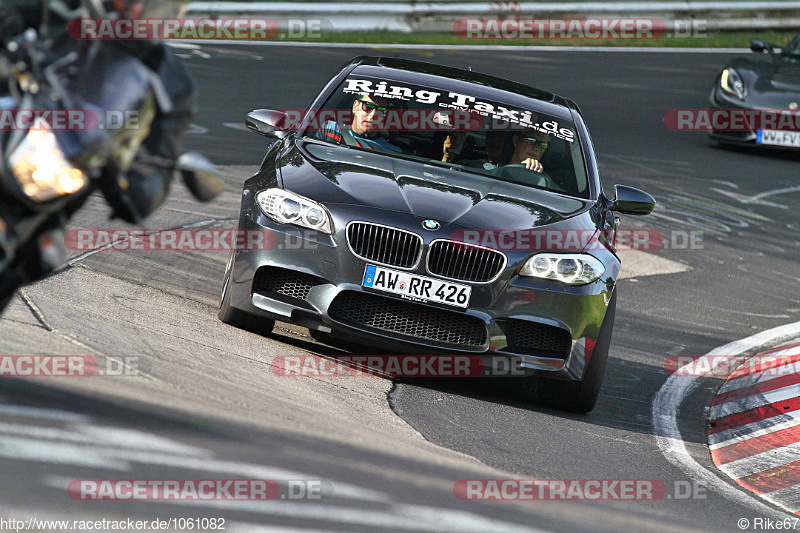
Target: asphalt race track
{"x": 206, "y": 403}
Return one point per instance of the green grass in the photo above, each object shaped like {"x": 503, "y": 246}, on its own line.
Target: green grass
{"x": 718, "y": 40}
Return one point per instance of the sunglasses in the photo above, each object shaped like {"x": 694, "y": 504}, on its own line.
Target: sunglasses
{"x": 369, "y": 107}
{"x": 536, "y": 142}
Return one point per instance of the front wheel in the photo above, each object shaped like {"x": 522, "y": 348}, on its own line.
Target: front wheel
{"x": 580, "y": 396}
{"x": 235, "y": 317}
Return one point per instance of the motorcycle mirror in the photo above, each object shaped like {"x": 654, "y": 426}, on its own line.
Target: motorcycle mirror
{"x": 200, "y": 176}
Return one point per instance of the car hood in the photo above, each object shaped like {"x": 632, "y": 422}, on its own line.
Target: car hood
{"x": 332, "y": 174}
{"x": 771, "y": 83}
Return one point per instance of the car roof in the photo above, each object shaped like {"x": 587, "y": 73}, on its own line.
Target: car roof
{"x": 466, "y": 82}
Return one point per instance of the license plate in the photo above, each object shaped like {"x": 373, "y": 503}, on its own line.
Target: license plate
{"x": 779, "y": 138}
{"x": 416, "y": 288}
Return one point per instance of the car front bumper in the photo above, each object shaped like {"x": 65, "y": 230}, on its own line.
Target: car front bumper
{"x": 744, "y": 137}
{"x": 320, "y": 276}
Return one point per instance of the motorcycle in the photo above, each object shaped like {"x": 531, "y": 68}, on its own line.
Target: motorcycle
{"x": 48, "y": 171}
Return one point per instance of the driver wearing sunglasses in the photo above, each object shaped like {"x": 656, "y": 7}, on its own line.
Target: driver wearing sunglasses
{"x": 529, "y": 147}
{"x": 366, "y": 128}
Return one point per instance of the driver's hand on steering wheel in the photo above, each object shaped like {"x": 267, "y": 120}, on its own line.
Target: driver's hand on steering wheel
{"x": 532, "y": 164}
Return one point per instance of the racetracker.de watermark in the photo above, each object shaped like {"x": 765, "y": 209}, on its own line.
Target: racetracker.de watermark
{"x": 67, "y": 119}
{"x": 211, "y": 29}
{"x": 732, "y": 119}
{"x": 198, "y": 489}
{"x": 567, "y": 240}
{"x": 529, "y": 240}
{"x": 732, "y": 366}
{"x": 173, "y": 240}
{"x": 575, "y": 490}
{"x": 68, "y": 366}
{"x": 404, "y": 366}
{"x": 609, "y": 28}
{"x": 390, "y": 120}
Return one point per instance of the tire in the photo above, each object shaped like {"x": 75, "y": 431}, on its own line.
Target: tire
{"x": 237, "y": 318}
{"x": 581, "y": 396}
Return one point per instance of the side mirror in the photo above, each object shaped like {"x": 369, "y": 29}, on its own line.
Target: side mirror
{"x": 267, "y": 122}
{"x": 200, "y": 176}
{"x": 759, "y": 46}
{"x": 630, "y": 201}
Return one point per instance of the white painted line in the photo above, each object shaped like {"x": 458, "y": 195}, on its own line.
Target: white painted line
{"x": 762, "y": 377}
{"x": 756, "y": 431}
{"x": 42, "y": 414}
{"x": 255, "y": 471}
{"x": 762, "y": 461}
{"x": 131, "y": 438}
{"x": 637, "y": 264}
{"x": 108, "y": 436}
{"x": 751, "y": 402}
{"x": 121, "y": 459}
{"x": 61, "y": 453}
{"x": 737, "y": 383}
{"x": 758, "y": 199}
{"x": 669, "y": 399}
{"x": 490, "y": 47}
{"x": 412, "y": 517}
{"x": 792, "y": 350}
{"x": 182, "y": 45}
{"x": 405, "y": 517}
{"x": 788, "y": 497}
{"x": 124, "y": 448}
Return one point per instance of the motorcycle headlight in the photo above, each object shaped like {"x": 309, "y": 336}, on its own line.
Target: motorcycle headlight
{"x": 40, "y": 168}
{"x": 287, "y": 207}
{"x": 732, "y": 83}
{"x": 572, "y": 269}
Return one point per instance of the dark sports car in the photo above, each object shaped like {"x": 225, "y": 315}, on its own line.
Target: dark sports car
{"x": 768, "y": 82}
{"x": 395, "y": 227}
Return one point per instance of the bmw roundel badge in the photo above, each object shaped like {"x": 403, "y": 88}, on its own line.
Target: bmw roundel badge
{"x": 430, "y": 224}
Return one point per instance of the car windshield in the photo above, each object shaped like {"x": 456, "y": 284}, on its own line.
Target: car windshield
{"x": 460, "y": 131}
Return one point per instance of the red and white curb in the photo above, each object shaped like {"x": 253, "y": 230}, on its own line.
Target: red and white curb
{"x": 754, "y": 434}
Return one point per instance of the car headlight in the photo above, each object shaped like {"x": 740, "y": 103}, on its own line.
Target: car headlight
{"x": 732, "y": 83}
{"x": 572, "y": 269}
{"x": 42, "y": 170}
{"x": 287, "y": 207}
